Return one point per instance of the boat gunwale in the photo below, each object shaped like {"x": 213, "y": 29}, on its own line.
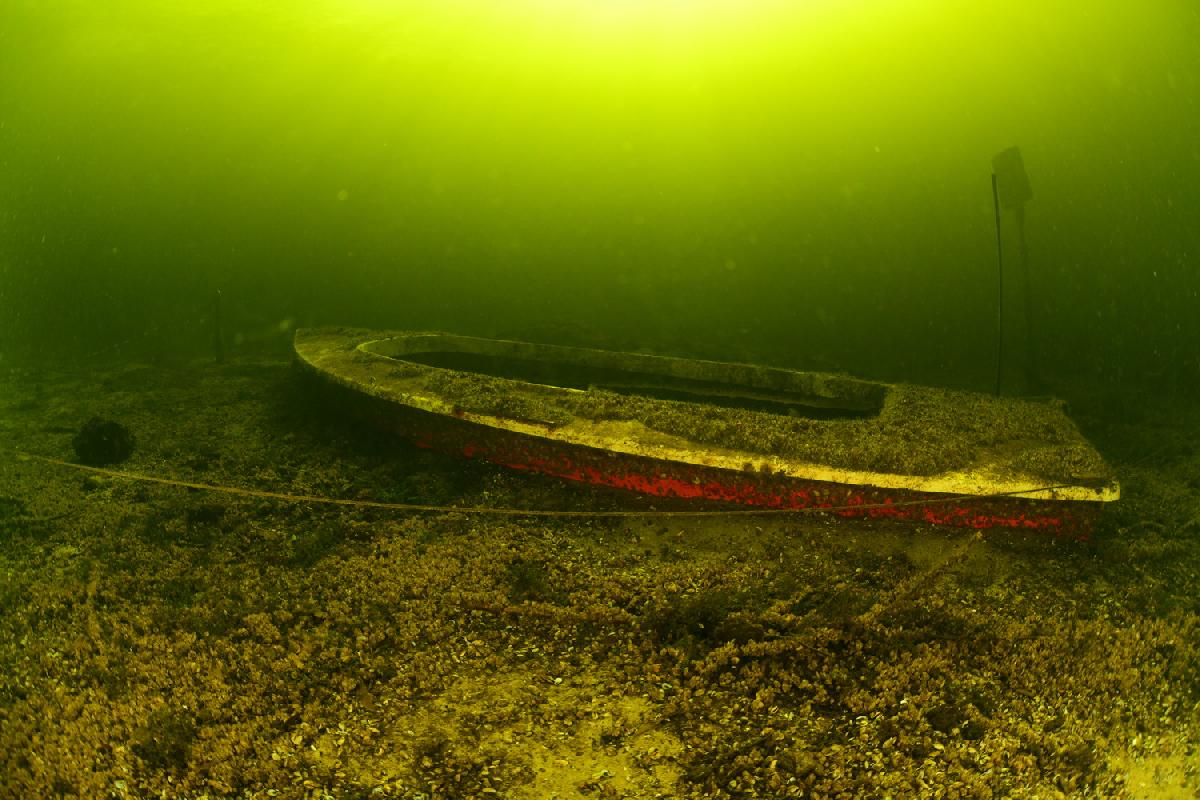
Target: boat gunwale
{"x": 818, "y": 389}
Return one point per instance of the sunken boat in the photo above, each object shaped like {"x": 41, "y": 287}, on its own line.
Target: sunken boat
{"x": 700, "y": 430}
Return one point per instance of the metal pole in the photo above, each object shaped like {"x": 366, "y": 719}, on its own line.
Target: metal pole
{"x": 999, "y": 289}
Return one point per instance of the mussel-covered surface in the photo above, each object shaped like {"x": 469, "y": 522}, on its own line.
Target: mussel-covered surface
{"x": 159, "y": 640}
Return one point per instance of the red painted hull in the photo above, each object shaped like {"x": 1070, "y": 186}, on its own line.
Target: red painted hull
{"x": 699, "y": 483}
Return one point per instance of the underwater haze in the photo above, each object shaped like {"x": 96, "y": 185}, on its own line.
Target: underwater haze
{"x": 246, "y": 555}
{"x": 804, "y": 184}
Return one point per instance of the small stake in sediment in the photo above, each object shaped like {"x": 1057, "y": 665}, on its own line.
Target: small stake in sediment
{"x": 218, "y": 340}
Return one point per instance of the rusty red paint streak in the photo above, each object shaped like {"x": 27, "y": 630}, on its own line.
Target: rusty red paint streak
{"x": 746, "y": 494}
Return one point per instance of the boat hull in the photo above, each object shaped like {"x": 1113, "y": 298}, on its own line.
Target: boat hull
{"x": 542, "y": 448}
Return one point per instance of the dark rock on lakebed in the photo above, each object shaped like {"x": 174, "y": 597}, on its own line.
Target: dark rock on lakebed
{"x": 102, "y": 441}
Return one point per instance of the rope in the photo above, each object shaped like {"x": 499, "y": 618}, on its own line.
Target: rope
{"x": 503, "y": 512}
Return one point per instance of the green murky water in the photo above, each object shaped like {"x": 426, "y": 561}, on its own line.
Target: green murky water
{"x": 795, "y": 183}
{"x": 799, "y": 184}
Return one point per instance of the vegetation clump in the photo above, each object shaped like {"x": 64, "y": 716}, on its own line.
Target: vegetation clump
{"x": 102, "y": 441}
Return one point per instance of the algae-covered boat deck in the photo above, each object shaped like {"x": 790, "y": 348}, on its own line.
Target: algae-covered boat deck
{"x": 736, "y": 416}
{"x": 157, "y": 640}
